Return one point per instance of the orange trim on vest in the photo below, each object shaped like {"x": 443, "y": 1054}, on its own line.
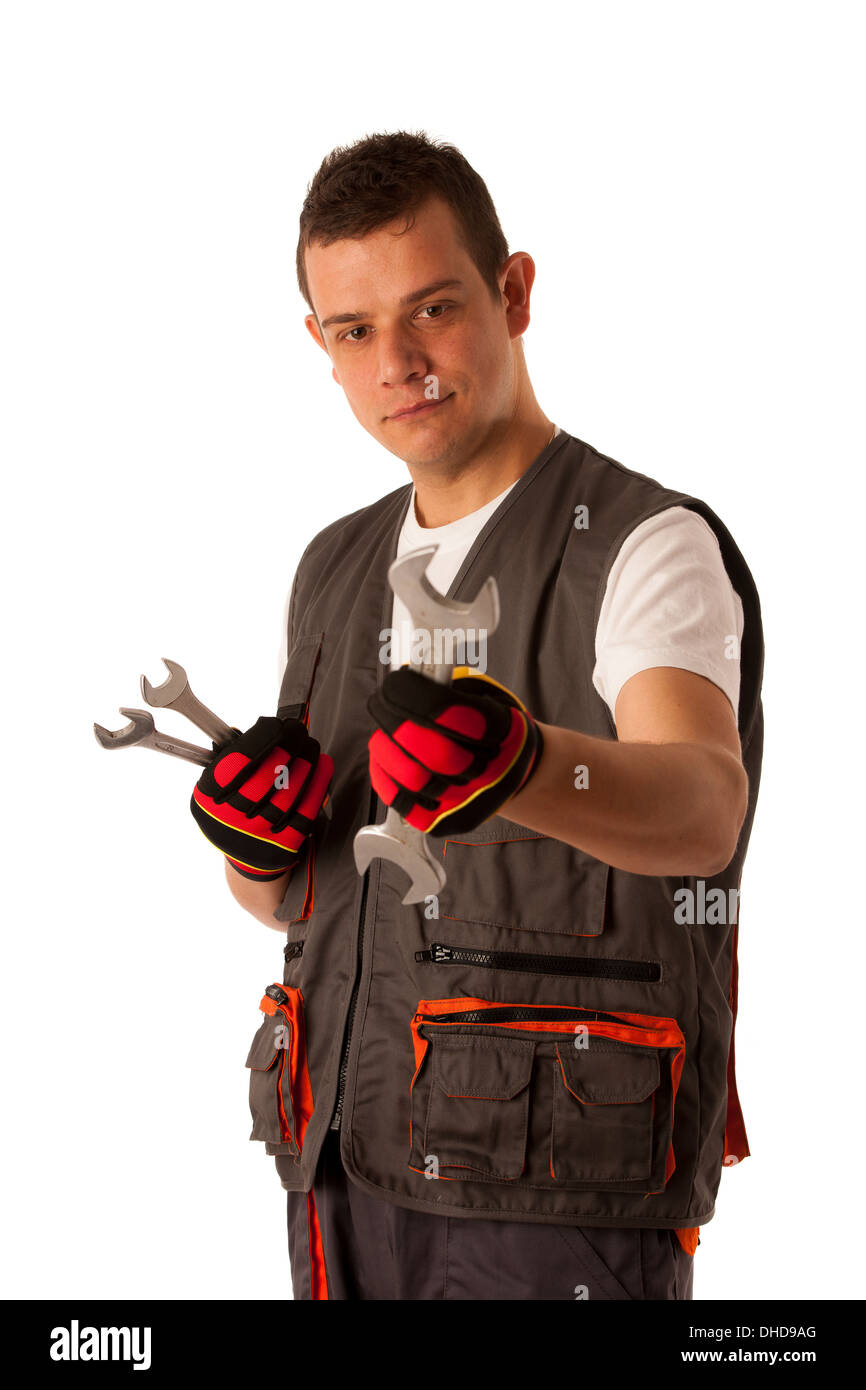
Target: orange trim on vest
{"x": 736, "y": 1144}
{"x": 688, "y": 1238}
{"x": 309, "y": 896}
{"x": 318, "y": 1274}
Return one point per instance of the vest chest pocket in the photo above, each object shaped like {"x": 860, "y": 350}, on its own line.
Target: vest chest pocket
{"x": 281, "y": 1098}
{"x": 553, "y": 1096}
{"x": 297, "y": 683}
{"x": 503, "y": 875}
{"x": 294, "y": 703}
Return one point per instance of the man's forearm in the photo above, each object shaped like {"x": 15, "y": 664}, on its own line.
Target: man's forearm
{"x": 259, "y": 899}
{"x": 648, "y": 808}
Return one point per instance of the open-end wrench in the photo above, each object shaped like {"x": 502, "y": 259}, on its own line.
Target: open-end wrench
{"x": 142, "y": 731}
{"x": 175, "y": 694}
{"x": 429, "y": 611}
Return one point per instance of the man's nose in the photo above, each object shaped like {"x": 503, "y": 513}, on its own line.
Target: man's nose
{"x": 400, "y": 357}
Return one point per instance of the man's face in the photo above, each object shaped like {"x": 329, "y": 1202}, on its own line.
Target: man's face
{"x": 396, "y": 342}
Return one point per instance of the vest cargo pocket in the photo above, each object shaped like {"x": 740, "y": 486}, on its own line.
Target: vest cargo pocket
{"x": 507, "y": 876}
{"x": 602, "y": 1128}
{"x": 478, "y": 1106}
{"x": 281, "y": 1099}
{"x": 555, "y": 1095}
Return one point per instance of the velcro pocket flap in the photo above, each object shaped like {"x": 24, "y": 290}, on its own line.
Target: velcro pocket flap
{"x": 273, "y": 1037}
{"x": 482, "y": 1068}
{"x": 605, "y": 1073}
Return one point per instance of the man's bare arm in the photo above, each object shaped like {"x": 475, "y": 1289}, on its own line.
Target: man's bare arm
{"x": 669, "y": 798}
{"x": 259, "y": 899}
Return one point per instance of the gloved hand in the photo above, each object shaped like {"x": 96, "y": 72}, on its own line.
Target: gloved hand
{"x": 446, "y": 757}
{"x": 258, "y": 799}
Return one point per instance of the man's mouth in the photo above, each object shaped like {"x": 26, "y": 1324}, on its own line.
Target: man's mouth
{"x": 414, "y": 412}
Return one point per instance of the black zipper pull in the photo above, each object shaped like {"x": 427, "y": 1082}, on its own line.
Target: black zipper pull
{"x": 435, "y": 955}
{"x": 278, "y": 995}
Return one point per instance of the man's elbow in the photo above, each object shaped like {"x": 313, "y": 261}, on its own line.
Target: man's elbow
{"x": 725, "y": 816}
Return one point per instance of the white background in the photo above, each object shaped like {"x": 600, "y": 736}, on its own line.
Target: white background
{"x": 688, "y": 180}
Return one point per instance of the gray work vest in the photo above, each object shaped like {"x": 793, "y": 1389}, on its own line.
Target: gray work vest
{"x": 553, "y": 1039}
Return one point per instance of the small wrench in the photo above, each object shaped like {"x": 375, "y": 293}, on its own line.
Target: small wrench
{"x": 143, "y": 731}
{"x": 175, "y": 694}
{"x": 429, "y": 611}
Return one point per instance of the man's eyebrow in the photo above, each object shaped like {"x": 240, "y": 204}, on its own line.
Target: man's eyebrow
{"x": 404, "y": 302}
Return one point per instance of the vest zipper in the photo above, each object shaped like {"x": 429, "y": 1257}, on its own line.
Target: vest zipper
{"x": 353, "y": 1003}
{"x": 344, "y": 1065}
{"x": 520, "y": 1013}
{"x": 592, "y": 967}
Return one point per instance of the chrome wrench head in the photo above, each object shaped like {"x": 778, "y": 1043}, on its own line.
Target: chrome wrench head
{"x": 403, "y": 845}
{"x": 175, "y": 693}
{"x": 141, "y": 726}
{"x": 161, "y": 696}
{"x": 394, "y": 839}
{"x": 430, "y": 611}
{"x": 141, "y": 731}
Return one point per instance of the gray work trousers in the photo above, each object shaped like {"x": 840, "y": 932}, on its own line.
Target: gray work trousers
{"x": 346, "y": 1244}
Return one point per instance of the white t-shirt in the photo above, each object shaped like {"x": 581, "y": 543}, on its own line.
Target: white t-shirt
{"x": 668, "y": 600}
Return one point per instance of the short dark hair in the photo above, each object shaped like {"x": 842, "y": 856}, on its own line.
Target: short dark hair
{"x": 358, "y": 188}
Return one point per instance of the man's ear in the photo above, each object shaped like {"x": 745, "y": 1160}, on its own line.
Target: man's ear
{"x": 313, "y": 329}
{"x": 315, "y": 332}
{"x": 518, "y": 277}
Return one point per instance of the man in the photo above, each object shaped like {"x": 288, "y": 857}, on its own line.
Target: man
{"x": 522, "y": 1087}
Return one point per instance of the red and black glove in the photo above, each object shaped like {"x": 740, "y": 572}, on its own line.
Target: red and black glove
{"x": 446, "y": 757}
{"x": 258, "y": 799}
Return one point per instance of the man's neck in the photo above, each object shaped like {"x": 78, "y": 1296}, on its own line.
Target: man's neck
{"x": 445, "y": 498}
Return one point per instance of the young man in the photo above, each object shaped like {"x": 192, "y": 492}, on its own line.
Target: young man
{"x": 523, "y": 1087}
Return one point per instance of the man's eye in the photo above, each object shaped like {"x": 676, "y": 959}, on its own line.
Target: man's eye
{"x": 362, "y": 328}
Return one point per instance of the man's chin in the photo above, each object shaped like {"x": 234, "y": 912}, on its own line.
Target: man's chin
{"x": 420, "y": 446}
{"x": 426, "y": 453}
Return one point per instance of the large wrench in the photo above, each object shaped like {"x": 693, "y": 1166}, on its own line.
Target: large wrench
{"x": 429, "y": 611}
{"x": 175, "y": 693}
{"x": 142, "y": 730}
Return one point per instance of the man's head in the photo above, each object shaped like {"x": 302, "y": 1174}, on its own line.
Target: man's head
{"x": 414, "y": 296}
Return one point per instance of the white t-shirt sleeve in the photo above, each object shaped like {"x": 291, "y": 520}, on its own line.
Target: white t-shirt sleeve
{"x": 284, "y": 642}
{"x": 669, "y": 602}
